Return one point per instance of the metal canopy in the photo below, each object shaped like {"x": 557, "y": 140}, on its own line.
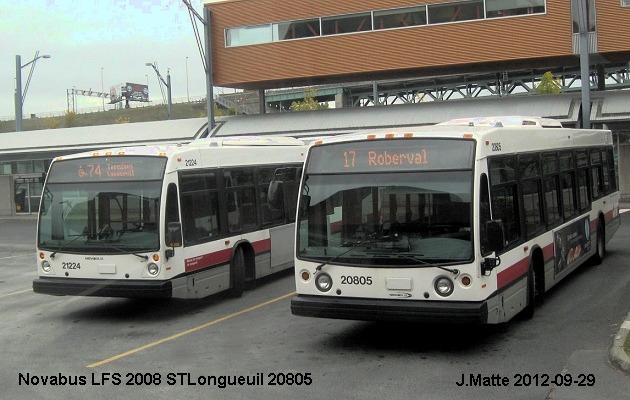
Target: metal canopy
{"x": 563, "y": 107}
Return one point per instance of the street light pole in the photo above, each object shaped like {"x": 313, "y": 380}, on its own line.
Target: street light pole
{"x": 18, "y": 93}
{"x": 168, "y": 87}
{"x": 102, "y": 88}
{"x": 168, "y": 94}
{"x": 187, "y": 93}
{"x": 19, "y": 96}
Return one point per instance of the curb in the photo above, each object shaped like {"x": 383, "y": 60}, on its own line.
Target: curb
{"x": 618, "y": 355}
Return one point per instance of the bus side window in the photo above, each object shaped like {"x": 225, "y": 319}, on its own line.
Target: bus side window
{"x": 269, "y": 214}
{"x": 200, "y": 206}
{"x": 484, "y": 213}
{"x": 505, "y": 204}
{"x": 172, "y": 209}
{"x": 568, "y": 186}
{"x": 241, "y": 199}
{"x": 283, "y": 191}
{"x": 291, "y": 187}
{"x": 551, "y": 188}
{"x": 596, "y": 175}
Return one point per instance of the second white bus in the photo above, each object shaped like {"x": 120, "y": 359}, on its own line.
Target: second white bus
{"x": 182, "y": 221}
{"x": 466, "y": 221}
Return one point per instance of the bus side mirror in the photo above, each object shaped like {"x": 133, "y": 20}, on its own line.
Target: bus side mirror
{"x": 305, "y": 203}
{"x": 495, "y": 235}
{"x": 173, "y": 237}
{"x": 275, "y": 195}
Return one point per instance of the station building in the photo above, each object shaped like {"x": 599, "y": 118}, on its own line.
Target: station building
{"x": 265, "y": 45}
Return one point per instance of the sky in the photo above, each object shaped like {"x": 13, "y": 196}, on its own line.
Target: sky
{"x": 96, "y": 44}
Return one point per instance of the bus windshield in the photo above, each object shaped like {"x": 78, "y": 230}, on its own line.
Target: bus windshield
{"x": 384, "y": 216}
{"x": 101, "y": 214}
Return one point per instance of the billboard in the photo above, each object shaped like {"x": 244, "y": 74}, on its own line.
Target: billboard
{"x": 135, "y": 92}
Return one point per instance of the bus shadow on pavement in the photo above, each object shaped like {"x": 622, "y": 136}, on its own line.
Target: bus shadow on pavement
{"x": 417, "y": 337}
{"x": 143, "y": 310}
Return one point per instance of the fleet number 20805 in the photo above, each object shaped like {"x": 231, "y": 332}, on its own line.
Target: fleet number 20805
{"x": 356, "y": 280}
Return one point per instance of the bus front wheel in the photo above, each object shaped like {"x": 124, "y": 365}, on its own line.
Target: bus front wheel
{"x": 528, "y": 311}
{"x": 237, "y": 273}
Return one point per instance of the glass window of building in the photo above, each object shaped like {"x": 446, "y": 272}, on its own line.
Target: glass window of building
{"x": 400, "y": 18}
{"x": 296, "y": 29}
{"x": 5, "y": 168}
{"x": 248, "y": 35}
{"x": 347, "y": 24}
{"x": 507, "y": 8}
{"x": 24, "y": 167}
{"x": 455, "y": 12}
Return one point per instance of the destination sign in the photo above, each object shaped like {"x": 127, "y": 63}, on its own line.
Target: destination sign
{"x": 96, "y": 169}
{"x": 391, "y": 155}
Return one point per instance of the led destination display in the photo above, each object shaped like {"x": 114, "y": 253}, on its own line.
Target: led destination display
{"x": 97, "y": 169}
{"x": 392, "y": 155}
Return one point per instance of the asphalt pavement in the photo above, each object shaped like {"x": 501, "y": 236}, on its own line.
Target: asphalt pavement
{"x": 618, "y": 356}
{"x": 613, "y": 369}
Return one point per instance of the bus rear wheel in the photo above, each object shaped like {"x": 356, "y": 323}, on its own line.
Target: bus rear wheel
{"x": 600, "y": 249}
{"x": 237, "y": 273}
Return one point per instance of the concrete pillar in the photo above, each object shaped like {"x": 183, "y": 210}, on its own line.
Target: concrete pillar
{"x": 7, "y": 207}
{"x": 340, "y": 100}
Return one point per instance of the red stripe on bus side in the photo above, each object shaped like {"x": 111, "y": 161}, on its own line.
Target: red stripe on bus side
{"x": 512, "y": 273}
{"x": 221, "y": 256}
{"x": 548, "y": 252}
{"x": 262, "y": 246}
{"x": 207, "y": 260}
{"x": 608, "y": 216}
{"x": 519, "y": 269}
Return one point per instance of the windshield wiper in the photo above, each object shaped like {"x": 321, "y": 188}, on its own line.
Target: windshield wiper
{"x": 52, "y": 255}
{"x": 354, "y": 246}
{"x": 144, "y": 257}
{"x": 425, "y": 264}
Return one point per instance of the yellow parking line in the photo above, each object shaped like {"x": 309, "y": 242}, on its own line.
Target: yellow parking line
{"x": 195, "y": 329}
{"x": 11, "y": 294}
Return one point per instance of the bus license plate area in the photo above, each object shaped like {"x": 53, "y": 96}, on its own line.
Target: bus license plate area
{"x": 107, "y": 268}
{"x": 399, "y": 283}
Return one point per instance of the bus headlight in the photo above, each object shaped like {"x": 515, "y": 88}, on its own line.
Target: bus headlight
{"x": 153, "y": 269}
{"x": 323, "y": 282}
{"x": 443, "y": 286}
{"x": 45, "y": 266}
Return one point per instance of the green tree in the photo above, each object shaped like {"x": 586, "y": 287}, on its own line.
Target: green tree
{"x": 309, "y": 102}
{"x": 52, "y": 123}
{"x": 122, "y": 120}
{"x": 71, "y": 119}
{"x": 548, "y": 84}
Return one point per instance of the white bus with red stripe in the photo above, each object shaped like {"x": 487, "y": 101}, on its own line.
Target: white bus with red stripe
{"x": 471, "y": 221}
{"x": 181, "y": 220}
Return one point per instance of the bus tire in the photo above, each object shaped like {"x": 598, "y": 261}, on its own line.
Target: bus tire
{"x": 600, "y": 246}
{"x": 237, "y": 273}
{"x": 528, "y": 311}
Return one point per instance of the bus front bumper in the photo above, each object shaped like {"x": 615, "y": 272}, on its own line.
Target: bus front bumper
{"x": 103, "y": 288}
{"x": 390, "y": 310}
